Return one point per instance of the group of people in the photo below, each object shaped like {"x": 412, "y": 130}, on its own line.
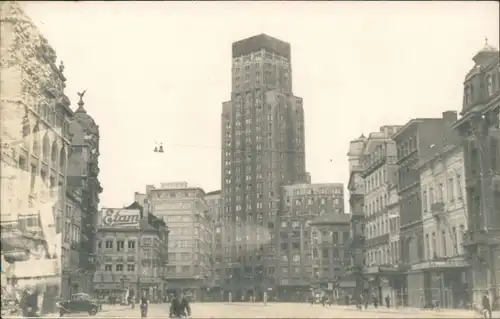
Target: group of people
{"x": 179, "y": 305}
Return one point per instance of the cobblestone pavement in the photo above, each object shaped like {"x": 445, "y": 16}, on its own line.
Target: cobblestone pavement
{"x": 286, "y": 310}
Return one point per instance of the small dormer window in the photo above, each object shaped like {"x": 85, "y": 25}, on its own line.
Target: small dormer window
{"x": 489, "y": 84}
{"x": 468, "y": 94}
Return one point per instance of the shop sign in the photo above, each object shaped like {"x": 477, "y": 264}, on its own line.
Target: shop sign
{"x": 120, "y": 218}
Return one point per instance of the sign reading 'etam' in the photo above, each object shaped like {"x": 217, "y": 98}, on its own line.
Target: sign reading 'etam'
{"x": 120, "y": 218}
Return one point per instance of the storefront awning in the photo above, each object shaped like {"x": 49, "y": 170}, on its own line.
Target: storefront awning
{"x": 440, "y": 265}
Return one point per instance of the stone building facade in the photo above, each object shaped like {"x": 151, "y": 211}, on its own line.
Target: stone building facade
{"x": 444, "y": 214}
{"x": 34, "y": 153}
{"x": 480, "y": 130}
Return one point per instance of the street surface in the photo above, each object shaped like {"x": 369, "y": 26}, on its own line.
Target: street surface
{"x": 285, "y": 310}
{"x": 277, "y": 310}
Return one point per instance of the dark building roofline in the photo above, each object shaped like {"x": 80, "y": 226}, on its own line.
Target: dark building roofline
{"x": 218, "y": 192}
{"x": 261, "y": 41}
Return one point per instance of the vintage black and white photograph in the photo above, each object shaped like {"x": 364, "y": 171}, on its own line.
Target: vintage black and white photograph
{"x": 250, "y": 159}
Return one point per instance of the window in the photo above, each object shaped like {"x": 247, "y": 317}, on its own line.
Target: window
{"x": 120, "y": 245}
{"x": 425, "y": 205}
{"x": 489, "y": 83}
{"x": 109, "y": 244}
{"x": 119, "y": 267}
{"x": 427, "y": 247}
{"x": 459, "y": 186}
{"x": 108, "y": 267}
{"x": 444, "y": 244}
{"x": 335, "y": 238}
{"x": 130, "y": 267}
{"x": 450, "y": 190}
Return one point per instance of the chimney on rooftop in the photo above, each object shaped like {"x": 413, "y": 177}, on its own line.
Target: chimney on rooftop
{"x": 450, "y": 117}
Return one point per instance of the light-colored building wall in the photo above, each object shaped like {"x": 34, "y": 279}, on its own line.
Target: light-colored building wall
{"x": 379, "y": 159}
{"x": 442, "y": 181}
{"x": 394, "y": 223}
{"x": 34, "y": 132}
{"x": 185, "y": 211}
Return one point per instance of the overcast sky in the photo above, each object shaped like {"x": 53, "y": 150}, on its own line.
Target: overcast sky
{"x": 158, "y": 72}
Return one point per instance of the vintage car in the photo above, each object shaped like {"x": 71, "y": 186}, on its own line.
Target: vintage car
{"x": 80, "y": 302}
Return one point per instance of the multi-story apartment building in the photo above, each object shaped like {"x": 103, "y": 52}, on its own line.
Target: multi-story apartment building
{"x": 419, "y": 139}
{"x": 72, "y": 279}
{"x": 132, "y": 248}
{"x": 444, "y": 216}
{"x": 263, "y": 148}
{"x": 480, "y": 130}
{"x": 379, "y": 169}
{"x": 185, "y": 211}
{"x": 330, "y": 256}
{"x": 301, "y": 203}
{"x": 397, "y": 279}
{"x": 214, "y": 202}
{"x": 35, "y": 117}
{"x": 356, "y": 187}
{"x": 83, "y": 183}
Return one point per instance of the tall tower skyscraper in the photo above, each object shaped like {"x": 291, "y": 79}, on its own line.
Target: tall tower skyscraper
{"x": 262, "y": 149}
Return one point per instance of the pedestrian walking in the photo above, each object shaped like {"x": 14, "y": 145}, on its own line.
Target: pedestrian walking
{"x": 387, "y": 301}
{"x": 144, "y": 305}
{"x": 486, "y": 306}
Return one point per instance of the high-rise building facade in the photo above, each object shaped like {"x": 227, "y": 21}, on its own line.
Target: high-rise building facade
{"x": 479, "y": 127}
{"x": 262, "y": 149}
{"x": 185, "y": 211}
{"x": 297, "y": 247}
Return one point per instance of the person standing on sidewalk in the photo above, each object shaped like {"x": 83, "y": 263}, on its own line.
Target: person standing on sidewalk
{"x": 30, "y": 303}
{"x": 144, "y": 304}
{"x": 487, "y": 306}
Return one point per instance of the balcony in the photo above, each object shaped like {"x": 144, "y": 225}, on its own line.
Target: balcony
{"x": 482, "y": 237}
{"x": 438, "y": 209}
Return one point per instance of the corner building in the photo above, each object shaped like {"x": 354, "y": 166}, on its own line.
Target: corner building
{"x": 262, "y": 149}
{"x": 479, "y": 128}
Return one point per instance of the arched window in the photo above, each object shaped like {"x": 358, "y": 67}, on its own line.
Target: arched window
{"x": 45, "y": 148}
{"x": 489, "y": 84}
{"x": 53, "y": 155}
{"x": 36, "y": 141}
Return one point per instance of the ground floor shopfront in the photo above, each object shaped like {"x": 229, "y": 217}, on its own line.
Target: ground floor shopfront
{"x": 444, "y": 282}
{"x": 117, "y": 292}
{"x": 387, "y": 282}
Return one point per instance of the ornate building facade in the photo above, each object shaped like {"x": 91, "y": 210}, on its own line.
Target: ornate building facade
{"x": 84, "y": 186}
{"x": 479, "y": 127}
{"x": 379, "y": 171}
{"x": 35, "y": 116}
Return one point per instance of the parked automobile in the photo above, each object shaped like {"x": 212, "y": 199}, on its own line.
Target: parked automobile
{"x": 80, "y": 302}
